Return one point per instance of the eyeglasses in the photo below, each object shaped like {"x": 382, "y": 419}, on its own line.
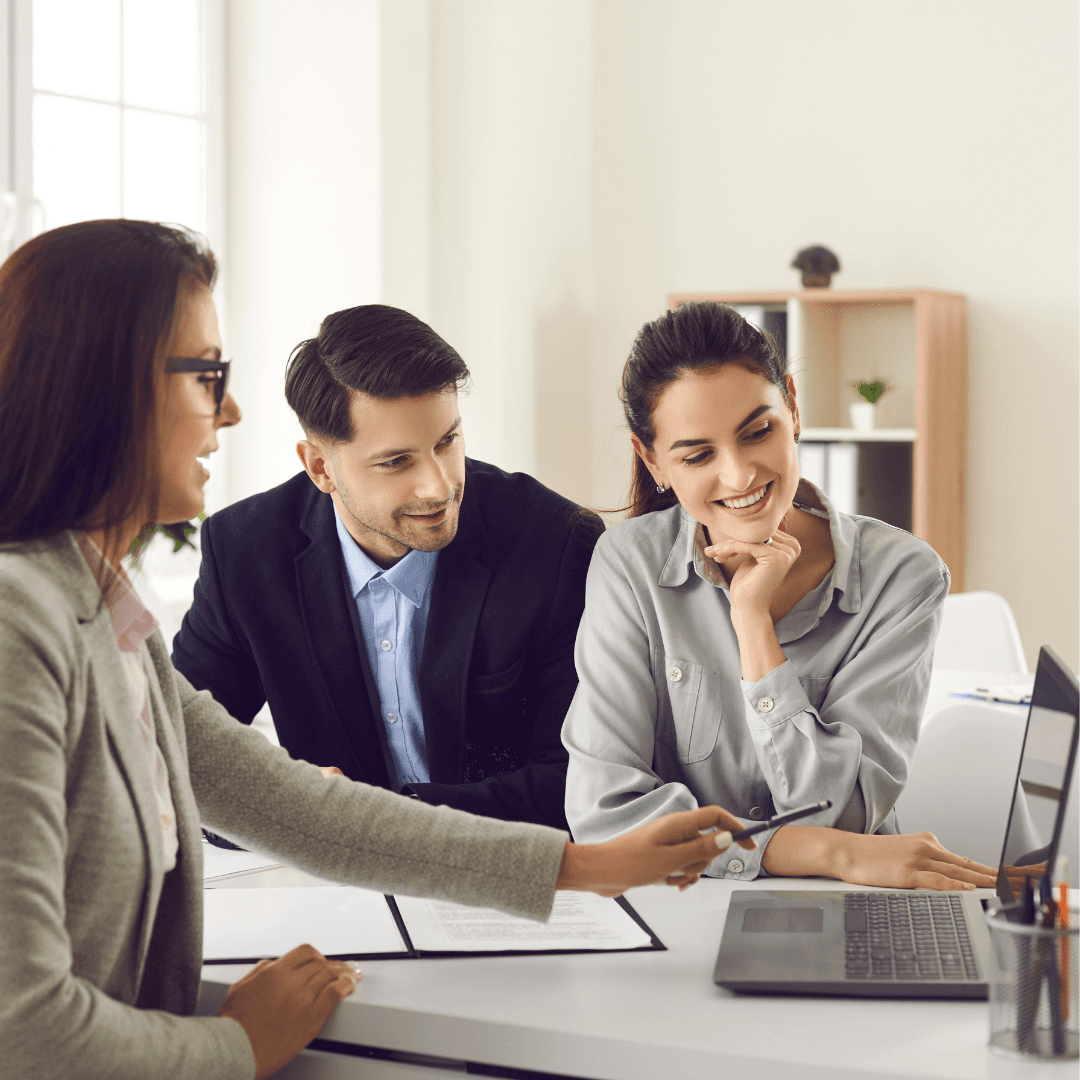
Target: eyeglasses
{"x": 217, "y": 369}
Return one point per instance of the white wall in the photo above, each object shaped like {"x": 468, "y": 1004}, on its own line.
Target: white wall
{"x": 930, "y": 144}
{"x": 511, "y": 159}
{"x": 303, "y": 223}
{"x": 552, "y": 169}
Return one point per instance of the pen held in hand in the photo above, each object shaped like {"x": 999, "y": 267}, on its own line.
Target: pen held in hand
{"x": 726, "y": 839}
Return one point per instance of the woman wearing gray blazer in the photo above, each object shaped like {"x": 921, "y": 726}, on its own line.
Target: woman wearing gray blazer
{"x": 742, "y": 641}
{"x": 111, "y": 388}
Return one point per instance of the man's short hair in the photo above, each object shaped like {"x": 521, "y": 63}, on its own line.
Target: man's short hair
{"x": 373, "y": 349}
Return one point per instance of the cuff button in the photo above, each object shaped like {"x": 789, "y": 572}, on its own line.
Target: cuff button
{"x": 736, "y": 866}
{"x": 765, "y": 704}
{"x": 756, "y": 813}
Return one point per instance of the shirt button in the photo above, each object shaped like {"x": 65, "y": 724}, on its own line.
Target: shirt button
{"x": 674, "y": 674}
{"x": 385, "y": 646}
{"x": 765, "y": 704}
{"x": 391, "y": 717}
{"x": 757, "y": 813}
{"x": 735, "y": 866}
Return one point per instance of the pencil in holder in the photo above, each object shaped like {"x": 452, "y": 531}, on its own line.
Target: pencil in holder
{"x": 1033, "y": 989}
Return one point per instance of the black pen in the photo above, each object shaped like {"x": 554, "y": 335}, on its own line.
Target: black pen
{"x": 771, "y": 823}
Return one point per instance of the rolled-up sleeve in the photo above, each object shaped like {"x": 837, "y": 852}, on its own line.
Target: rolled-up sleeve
{"x": 856, "y": 749}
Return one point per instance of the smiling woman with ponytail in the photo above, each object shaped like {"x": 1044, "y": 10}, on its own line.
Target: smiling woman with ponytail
{"x": 744, "y": 642}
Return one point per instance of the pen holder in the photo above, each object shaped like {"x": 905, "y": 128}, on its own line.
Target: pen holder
{"x": 1033, "y": 989}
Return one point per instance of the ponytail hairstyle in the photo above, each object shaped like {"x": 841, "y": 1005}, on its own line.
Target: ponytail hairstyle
{"x": 697, "y": 336}
{"x": 373, "y": 349}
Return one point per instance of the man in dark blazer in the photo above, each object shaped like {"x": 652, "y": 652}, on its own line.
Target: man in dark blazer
{"x": 478, "y": 574}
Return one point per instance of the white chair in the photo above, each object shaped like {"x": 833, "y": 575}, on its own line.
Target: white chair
{"x": 978, "y": 633}
{"x": 962, "y": 778}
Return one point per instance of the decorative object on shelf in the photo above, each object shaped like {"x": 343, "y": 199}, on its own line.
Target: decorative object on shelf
{"x": 863, "y": 412}
{"x": 818, "y": 264}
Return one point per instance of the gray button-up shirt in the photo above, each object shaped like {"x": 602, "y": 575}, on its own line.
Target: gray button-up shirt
{"x": 662, "y": 720}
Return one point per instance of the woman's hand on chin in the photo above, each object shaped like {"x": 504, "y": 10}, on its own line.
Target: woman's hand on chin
{"x": 756, "y": 579}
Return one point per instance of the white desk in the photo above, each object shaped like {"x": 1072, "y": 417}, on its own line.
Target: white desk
{"x": 640, "y": 1016}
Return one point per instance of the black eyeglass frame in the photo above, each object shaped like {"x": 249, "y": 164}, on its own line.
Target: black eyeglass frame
{"x": 193, "y": 363}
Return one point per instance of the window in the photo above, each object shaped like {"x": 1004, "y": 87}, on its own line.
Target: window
{"x": 115, "y": 110}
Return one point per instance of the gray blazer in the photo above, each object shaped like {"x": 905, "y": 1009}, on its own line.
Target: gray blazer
{"x": 100, "y": 950}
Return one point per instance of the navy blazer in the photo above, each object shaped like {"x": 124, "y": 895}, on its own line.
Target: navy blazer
{"x": 273, "y": 621}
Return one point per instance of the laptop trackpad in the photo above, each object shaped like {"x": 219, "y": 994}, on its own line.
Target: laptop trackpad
{"x": 783, "y": 920}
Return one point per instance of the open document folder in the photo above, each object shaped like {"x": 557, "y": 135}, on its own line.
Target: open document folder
{"x": 343, "y": 923}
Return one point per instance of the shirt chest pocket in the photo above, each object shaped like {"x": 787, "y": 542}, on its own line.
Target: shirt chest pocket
{"x": 689, "y": 704}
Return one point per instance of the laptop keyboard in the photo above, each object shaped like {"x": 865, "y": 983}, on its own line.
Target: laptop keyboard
{"x": 904, "y": 936}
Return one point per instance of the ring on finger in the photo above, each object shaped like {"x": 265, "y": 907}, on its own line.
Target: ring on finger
{"x": 767, "y": 542}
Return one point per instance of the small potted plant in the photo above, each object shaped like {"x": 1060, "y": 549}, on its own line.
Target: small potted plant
{"x": 862, "y": 412}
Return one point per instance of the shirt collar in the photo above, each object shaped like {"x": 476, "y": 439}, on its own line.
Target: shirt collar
{"x": 688, "y": 551}
{"x": 132, "y": 622}
{"x": 411, "y": 576}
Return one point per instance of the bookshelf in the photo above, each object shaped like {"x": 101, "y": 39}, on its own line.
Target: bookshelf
{"x": 911, "y": 468}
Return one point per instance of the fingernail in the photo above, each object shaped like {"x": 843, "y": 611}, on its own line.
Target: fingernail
{"x": 969, "y": 884}
{"x": 723, "y": 840}
{"x": 708, "y": 832}
{"x": 677, "y": 873}
{"x": 354, "y": 965}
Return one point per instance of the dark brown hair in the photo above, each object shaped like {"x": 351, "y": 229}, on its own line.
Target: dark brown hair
{"x": 697, "y": 336}
{"x": 380, "y": 351}
{"x": 86, "y": 312}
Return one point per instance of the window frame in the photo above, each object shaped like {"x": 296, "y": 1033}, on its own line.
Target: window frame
{"x": 16, "y": 120}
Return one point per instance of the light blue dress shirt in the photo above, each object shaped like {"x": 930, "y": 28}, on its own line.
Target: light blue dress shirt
{"x": 393, "y": 607}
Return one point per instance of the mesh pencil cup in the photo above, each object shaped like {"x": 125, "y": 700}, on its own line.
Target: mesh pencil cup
{"x": 1033, "y": 989}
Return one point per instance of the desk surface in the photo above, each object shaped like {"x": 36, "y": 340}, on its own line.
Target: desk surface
{"x": 640, "y": 1016}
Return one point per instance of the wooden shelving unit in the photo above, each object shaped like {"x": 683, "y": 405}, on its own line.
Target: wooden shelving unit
{"x": 916, "y": 339}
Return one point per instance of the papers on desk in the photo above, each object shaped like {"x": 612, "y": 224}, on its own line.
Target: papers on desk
{"x": 579, "y": 920}
{"x": 1006, "y": 695}
{"x": 244, "y": 925}
{"x": 250, "y": 924}
{"x": 221, "y": 863}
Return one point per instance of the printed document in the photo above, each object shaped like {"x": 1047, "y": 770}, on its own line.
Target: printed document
{"x": 580, "y": 920}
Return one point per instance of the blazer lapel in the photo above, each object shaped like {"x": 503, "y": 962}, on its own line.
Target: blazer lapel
{"x": 320, "y": 579}
{"x": 127, "y": 746}
{"x": 457, "y": 599}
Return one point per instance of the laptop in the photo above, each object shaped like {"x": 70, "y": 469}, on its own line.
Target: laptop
{"x": 911, "y": 943}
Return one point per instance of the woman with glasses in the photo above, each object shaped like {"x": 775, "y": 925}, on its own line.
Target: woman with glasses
{"x": 112, "y": 389}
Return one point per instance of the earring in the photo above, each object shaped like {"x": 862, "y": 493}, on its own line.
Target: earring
{"x": 660, "y": 489}
{"x": 796, "y": 438}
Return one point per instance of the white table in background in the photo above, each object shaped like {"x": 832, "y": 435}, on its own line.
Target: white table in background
{"x": 636, "y": 1016}
{"x": 944, "y": 683}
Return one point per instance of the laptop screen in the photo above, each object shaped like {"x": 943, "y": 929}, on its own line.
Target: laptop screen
{"x": 1042, "y": 783}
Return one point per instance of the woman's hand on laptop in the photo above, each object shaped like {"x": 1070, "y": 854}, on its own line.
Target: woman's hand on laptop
{"x": 908, "y": 861}
{"x": 671, "y": 849}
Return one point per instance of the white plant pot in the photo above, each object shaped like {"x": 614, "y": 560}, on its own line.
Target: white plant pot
{"x": 862, "y": 415}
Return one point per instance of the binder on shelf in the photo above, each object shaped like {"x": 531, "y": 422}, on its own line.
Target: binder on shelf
{"x": 812, "y": 464}
{"x": 842, "y": 475}
{"x": 833, "y": 467}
